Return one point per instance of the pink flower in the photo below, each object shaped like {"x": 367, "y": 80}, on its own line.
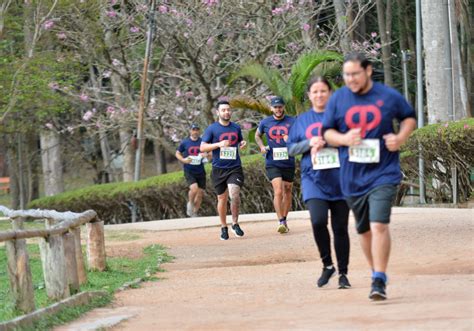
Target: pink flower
{"x": 48, "y": 24}
{"x": 247, "y": 125}
{"x": 134, "y": 29}
{"x": 186, "y": 35}
{"x": 189, "y": 94}
{"x": 373, "y": 34}
{"x": 321, "y": 34}
{"x": 215, "y": 58}
{"x": 189, "y": 22}
{"x": 306, "y": 27}
{"x": 377, "y": 46}
{"x": 466, "y": 126}
{"x": 277, "y": 11}
{"x": 210, "y": 41}
{"x": 49, "y": 126}
{"x": 142, "y": 8}
{"x": 88, "y": 115}
{"x": 113, "y": 2}
{"x": 61, "y": 35}
{"x": 111, "y": 13}
{"x": 178, "y": 93}
{"x": 446, "y": 125}
{"x": 84, "y": 97}
{"x": 110, "y": 110}
{"x": 163, "y": 9}
{"x": 374, "y": 52}
{"x": 123, "y": 110}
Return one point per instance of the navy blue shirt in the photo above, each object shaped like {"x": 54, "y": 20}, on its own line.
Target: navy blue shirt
{"x": 315, "y": 184}
{"x": 275, "y": 130}
{"x": 373, "y": 113}
{"x": 189, "y": 147}
{"x": 217, "y": 132}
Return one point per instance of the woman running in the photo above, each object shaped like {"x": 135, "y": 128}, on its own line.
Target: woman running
{"x": 320, "y": 183}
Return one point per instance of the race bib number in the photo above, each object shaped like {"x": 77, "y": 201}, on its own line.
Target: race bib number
{"x": 228, "y": 153}
{"x": 327, "y": 158}
{"x": 367, "y": 152}
{"x": 195, "y": 159}
{"x": 280, "y": 153}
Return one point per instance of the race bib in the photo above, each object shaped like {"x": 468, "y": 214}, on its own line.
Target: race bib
{"x": 327, "y": 158}
{"x": 228, "y": 153}
{"x": 367, "y": 152}
{"x": 280, "y": 153}
{"x": 195, "y": 159}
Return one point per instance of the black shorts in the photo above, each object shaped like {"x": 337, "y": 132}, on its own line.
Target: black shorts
{"x": 200, "y": 179}
{"x": 221, "y": 177}
{"x": 375, "y": 206}
{"x": 286, "y": 174}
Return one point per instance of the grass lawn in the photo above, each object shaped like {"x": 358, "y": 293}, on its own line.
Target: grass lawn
{"x": 119, "y": 271}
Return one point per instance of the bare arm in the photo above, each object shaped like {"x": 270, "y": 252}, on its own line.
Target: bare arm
{"x": 393, "y": 142}
{"x": 207, "y": 147}
{"x": 180, "y": 158}
{"x": 259, "y": 141}
{"x": 336, "y": 139}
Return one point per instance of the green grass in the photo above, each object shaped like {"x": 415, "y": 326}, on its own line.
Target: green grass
{"x": 119, "y": 271}
{"x": 5, "y": 225}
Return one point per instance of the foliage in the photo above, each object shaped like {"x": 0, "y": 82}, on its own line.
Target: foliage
{"x": 292, "y": 89}
{"x": 120, "y": 270}
{"x": 444, "y": 147}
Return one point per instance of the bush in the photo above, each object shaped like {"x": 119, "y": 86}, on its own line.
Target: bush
{"x": 164, "y": 196}
{"x": 444, "y": 147}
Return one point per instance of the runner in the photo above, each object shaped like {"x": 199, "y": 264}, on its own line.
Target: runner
{"x": 280, "y": 167}
{"x": 359, "y": 118}
{"x": 320, "y": 183}
{"x": 224, "y": 139}
{"x": 188, "y": 153}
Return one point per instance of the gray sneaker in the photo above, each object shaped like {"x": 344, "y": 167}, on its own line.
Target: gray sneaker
{"x": 189, "y": 209}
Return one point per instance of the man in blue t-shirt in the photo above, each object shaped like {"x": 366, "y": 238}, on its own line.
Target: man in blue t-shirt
{"x": 280, "y": 167}
{"x": 224, "y": 139}
{"x": 189, "y": 154}
{"x": 359, "y": 119}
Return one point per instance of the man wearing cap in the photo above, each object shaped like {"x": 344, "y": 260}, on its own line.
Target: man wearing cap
{"x": 280, "y": 167}
{"x": 189, "y": 154}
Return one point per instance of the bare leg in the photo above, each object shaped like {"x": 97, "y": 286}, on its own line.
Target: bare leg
{"x": 277, "y": 184}
{"x": 366, "y": 244}
{"x": 222, "y": 207}
{"x": 198, "y": 200}
{"x": 234, "y": 201}
{"x": 193, "y": 189}
{"x": 380, "y": 246}
{"x": 287, "y": 198}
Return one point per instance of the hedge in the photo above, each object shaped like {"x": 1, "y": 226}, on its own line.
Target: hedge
{"x": 443, "y": 147}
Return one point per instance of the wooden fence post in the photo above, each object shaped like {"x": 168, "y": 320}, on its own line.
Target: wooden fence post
{"x": 81, "y": 270}
{"x": 19, "y": 272}
{"x": 96, "y": 246}
{"x": 54, "y": 265}
{"x": 71, "y": 263}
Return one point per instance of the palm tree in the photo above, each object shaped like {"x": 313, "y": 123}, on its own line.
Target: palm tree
{"x": 292, "y": 90}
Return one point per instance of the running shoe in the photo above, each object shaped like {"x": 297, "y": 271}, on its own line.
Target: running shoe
{"x": 377, "y": 293}
{"x": 237, "y": 230}
{"x": 326, "y": 275}
{"x": 283, "y": 227}
{"x": 224, "y": 233}
{"x": 344, "y": 281}
{"x": 189, "y": 209}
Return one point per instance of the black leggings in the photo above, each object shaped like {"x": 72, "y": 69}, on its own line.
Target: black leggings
{"x": 318, "y": 209}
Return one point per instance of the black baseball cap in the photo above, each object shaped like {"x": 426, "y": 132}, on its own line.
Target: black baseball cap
{"x": 195, "y": 126}
{"x": 277, "y": 101}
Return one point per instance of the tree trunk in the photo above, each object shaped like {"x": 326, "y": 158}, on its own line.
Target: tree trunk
{"x": 52, "y": 163}
{"x": 160, "y": 157}
{"x": 128, "y": 150}
{"x": 341, "y": 19}
{"x": 385, "y": 30}
{"x": 445, "y": 90}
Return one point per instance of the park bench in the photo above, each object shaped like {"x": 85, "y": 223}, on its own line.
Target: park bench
{"x": 5, "y": 184}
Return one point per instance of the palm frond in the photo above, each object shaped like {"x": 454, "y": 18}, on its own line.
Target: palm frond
{"x": 269, "y": 77}
{"x": 245, "y": 102}
{"x": 303, "y": 68}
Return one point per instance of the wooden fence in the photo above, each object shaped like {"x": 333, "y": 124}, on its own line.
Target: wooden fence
{"x": 60, "y": 250}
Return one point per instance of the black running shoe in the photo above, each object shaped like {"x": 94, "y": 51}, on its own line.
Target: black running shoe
{"x": 224, "y": 233}
{"x": 377, "y": 293}
{"x": 344, "y": 282}
{"x": 327, "y": 273}
{"x": 237, "y": 230}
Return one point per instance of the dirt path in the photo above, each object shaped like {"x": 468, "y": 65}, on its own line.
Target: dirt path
{"x": 266, "y": 281}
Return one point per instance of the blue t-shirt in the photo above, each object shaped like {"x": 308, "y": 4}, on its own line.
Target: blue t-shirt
{"x": 275, "y": 130}
{"x": 189, "y": 147}
{"x": 316, "y": 184}
{"x": 374, "y": 113}
{"x": 217, "y": 132}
